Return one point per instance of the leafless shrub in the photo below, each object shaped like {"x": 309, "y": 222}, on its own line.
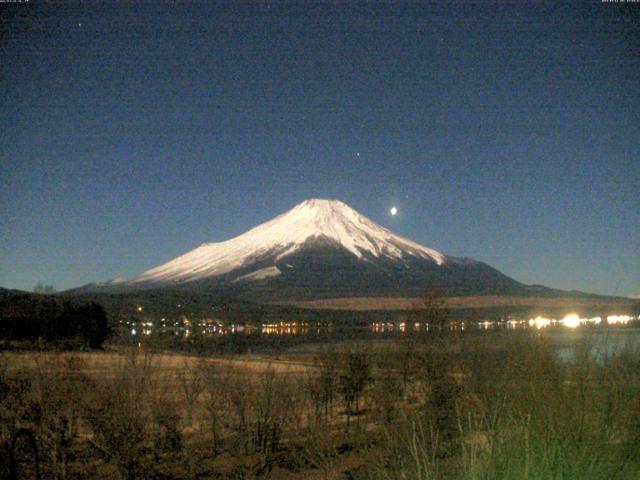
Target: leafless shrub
{"x": 320, "y": 450}
{"x": 272, "y": 411}
{"x": 387, "y": 394}
{"x": 166, "y": 417}
{"x": 322, "y": 384}
{"x": 261, "y": 411}
{"x": 192, "y": 385}
{"x": 355, "y": 375}
{"x": 120, "y": 418}
{"x": 216, "y": 380}
{"x": 238, "y": 398}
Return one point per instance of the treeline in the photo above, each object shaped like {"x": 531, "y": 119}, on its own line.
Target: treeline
{"x": 33, "y": 318}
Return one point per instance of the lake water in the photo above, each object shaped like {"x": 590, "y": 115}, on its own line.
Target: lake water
{"x": 602, "y": 343}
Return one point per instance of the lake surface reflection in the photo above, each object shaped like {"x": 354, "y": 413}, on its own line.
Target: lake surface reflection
{"x": 337, "y": 330}
{"x": 571, "y": 321}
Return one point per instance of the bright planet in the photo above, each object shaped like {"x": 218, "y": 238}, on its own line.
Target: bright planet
{"x": 394, "y": 210}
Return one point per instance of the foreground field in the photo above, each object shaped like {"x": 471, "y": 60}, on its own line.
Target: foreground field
{"x": 474, "y": 406}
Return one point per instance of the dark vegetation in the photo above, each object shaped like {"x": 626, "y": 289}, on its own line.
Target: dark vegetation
{"x": 36, "y": 320}
{"x": 466, "y": 407}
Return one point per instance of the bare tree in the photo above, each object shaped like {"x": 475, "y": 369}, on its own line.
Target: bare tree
{"x": 119, "y": 417}
{"x": 216, "y": 380}
{"x": 238, "y": 397}
{"x": 165, "y": 414}
{"x": 322, "y": 384}
{"x": 387, "y": 392}
{"x": 438, "y": 365}
{"x": 192, "y": 385}
{"x": 355, "y": 376}
{"x": 430, "y": 311}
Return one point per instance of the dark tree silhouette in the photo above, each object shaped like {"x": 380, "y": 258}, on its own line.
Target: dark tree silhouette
{"x": 354, "y": 379}
{"x": 33, "y": 317}
{"x": 431, "y": 309}
{"x": 96, "y": 329}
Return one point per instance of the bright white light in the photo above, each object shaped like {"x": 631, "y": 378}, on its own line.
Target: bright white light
{"x": 394, "y": 210}
{"x": 612, "y": 319}
{"x": 571, "y": 321}
{"x": 540, "y": 322}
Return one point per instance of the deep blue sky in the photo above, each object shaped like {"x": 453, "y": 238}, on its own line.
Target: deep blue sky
{"x": 505, "y": 132}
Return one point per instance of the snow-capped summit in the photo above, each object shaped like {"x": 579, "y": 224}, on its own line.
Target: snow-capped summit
{"x": 330, "y": 220}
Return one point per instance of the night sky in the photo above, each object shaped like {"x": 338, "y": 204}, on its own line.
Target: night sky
{"x": 133, "y": 132}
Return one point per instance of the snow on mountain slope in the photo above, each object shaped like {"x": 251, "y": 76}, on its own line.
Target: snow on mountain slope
{"x": 285, "y": 235}
{"x": 259, "y": 274}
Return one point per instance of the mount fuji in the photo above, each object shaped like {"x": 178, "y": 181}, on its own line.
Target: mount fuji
{"x": 320, "y": 249}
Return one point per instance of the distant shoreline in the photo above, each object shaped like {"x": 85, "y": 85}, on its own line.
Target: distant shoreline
{"x": 477, "y": 301}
